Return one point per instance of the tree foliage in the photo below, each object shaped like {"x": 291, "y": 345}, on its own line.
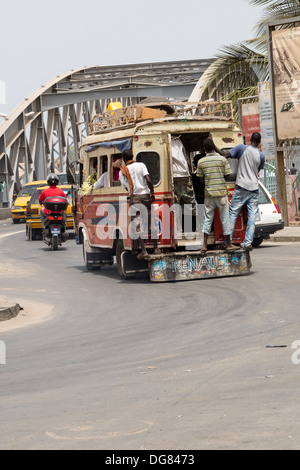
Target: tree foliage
{"x": 251, "y": 55}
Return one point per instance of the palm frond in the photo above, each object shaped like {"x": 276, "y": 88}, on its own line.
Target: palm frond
{"x": 258, "y": 44}
{"x": 276, "y": 10}
{"x": 239, "y": 93}
{"x": 240, "y": 55}
{"x": 250, "y": 56}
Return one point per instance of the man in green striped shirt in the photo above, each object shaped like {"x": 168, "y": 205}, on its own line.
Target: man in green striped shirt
{"x": 214, "y": 170}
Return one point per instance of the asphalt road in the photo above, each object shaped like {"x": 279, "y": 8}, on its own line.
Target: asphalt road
{"x": 94, "y": 362}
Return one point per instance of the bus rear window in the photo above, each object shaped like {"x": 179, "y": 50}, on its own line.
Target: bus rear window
{"x": 263, "y": 197}
{"x": 152, "y": 162}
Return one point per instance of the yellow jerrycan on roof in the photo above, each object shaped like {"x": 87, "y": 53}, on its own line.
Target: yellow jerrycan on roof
{"x": 113, "y": 106}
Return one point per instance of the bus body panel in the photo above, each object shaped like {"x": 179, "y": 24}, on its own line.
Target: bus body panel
{"x": 102, "y": 216}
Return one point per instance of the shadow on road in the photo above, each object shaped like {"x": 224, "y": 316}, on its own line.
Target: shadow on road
{"x": 112, "y": 273}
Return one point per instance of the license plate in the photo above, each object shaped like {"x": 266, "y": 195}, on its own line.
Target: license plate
{"x": 55, "y": 230}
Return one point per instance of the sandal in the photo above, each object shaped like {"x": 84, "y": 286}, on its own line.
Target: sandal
{"x": 232, "y": 248}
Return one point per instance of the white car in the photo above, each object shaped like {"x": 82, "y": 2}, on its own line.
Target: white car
{"x": 268, "y": 219}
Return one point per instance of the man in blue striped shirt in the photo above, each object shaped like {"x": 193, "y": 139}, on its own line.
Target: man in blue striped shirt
{"x": 214, "y": 170}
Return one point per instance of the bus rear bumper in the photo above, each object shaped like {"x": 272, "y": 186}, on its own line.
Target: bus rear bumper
{"x": 186, "y": 266}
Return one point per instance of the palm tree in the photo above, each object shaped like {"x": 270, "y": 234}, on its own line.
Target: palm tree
{"x": 238, "y": 68}
{"x": 276, "y": 10}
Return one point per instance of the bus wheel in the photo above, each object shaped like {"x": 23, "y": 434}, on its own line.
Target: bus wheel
{"x": 257, "y": 241}
{"x": 31, "y": 233}
{"x": 86, "y": 256}
{"x": 120, "y": 262}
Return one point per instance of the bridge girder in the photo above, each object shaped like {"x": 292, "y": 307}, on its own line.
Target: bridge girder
{"x": 44, "y": 132}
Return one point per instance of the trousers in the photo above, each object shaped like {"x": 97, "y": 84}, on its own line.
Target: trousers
{"x": 239, "y": 199}
{"x": 210, "y": 205}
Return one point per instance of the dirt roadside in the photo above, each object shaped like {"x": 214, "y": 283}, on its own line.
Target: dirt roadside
{"x": 32, "y": 313}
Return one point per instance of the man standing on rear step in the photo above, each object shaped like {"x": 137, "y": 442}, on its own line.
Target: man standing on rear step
{"x": 213, "y": 170}
{"x": 183, "y": 186}
{"x": 251, "y": 161}
{"x": 134, "y": 177}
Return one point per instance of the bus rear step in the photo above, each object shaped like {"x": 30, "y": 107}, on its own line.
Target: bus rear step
{"x": 188, "y": 265}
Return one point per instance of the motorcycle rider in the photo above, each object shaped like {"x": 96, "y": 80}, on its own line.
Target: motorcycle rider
{"x": 52, "y": 191}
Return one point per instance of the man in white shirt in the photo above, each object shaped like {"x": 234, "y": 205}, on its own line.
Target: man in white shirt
{"x": 180, "y": 164}
{"x": 140, "y": 179}
{"x": 183, "y": 186}
{"x": 102, "y": 181}
{"x": 134, "y": 177}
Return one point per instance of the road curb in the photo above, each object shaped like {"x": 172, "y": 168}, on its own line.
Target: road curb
{"x": 7, "y": 313}
{"x": 5, "y": 213}
{"x": 285, "y": 239}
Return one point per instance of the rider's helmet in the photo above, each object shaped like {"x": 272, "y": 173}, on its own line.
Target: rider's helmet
{"x": 53, "y": 180}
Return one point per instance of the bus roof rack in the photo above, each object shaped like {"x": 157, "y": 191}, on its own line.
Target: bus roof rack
{"x": 132, "y": 115}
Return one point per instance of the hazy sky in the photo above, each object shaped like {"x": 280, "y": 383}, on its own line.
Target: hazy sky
{"x": 40, "y": 40}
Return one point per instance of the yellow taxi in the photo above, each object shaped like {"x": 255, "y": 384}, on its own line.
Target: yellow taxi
{"x": 18, "y": 210}
{"x": 33, "y": 219}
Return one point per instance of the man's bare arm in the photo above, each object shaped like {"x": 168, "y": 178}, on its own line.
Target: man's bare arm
{"x": 223, "y": 153}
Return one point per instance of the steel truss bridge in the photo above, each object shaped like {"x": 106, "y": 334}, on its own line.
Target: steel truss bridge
{"x": 44, "y": 132}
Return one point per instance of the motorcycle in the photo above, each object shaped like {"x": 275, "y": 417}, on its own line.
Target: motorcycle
{"x": 55, "y": 231}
